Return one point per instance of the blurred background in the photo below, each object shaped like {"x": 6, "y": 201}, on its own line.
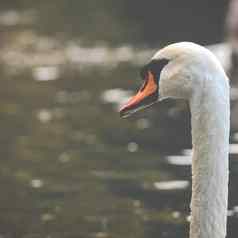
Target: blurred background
{"x": 70, "y": 167}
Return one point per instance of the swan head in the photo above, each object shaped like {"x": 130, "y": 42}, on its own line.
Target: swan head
{"x": 173, "y": 72}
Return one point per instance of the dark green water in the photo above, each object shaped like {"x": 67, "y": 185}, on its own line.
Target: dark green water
{"x": 70, "y": 167}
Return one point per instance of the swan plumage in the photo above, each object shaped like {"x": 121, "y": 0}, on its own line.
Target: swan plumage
{"x": 191, "y": 72}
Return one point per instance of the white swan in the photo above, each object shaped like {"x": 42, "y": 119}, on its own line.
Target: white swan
{"x": 189, "y": 71}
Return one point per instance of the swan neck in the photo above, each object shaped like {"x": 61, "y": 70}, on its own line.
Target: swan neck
{"x": 210, "y": 137}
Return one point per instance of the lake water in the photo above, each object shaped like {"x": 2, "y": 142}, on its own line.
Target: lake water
{"x": 70, "y": 167}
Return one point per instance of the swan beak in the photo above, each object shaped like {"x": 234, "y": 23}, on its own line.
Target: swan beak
{"x": 147, "y": 95}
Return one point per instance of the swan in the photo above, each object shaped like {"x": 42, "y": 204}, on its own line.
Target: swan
{"x": 189, "y": 71}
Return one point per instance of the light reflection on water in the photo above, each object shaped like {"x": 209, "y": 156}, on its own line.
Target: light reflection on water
{"x": 88, "y": 171}
{"x": 117, "y": 96}
{"x": 46, "y": 73}
{"x": 47, "y": 55}
{"x": 171, "y": 185}
{"x": 181, "y": 160}
{"x": 233, "y": 149}
{"x": 14, "y": 18}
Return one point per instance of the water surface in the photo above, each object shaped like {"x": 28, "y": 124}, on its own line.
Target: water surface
{"x": 70, "y": 167}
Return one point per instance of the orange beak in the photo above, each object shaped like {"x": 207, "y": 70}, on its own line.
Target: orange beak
{"x": 147, "y": 95}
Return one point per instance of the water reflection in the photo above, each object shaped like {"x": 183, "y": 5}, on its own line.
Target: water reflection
{"x": 171, "y": 185}
{"x": 117, "y": 96}
{"x": 37, "y": 183}
{"x": 46, "y": 73}
{"x": 13, "y": 18}
{"x": 77, "y": 169}
{"x": 45, "y": 55}
{"x": 233, "y": 149}
{"x": 181, "y": 160}
{"x": 132, "y": 147}
{"x": 44, "y": 115}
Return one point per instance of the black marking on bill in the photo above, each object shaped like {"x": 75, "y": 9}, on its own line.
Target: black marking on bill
{"x": 155, "y": 67}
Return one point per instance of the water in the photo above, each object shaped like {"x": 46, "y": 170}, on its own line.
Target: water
{"x": 70, "y": 166}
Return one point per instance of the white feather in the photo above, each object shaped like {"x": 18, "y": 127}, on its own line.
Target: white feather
{"x": 196, "y": 75}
